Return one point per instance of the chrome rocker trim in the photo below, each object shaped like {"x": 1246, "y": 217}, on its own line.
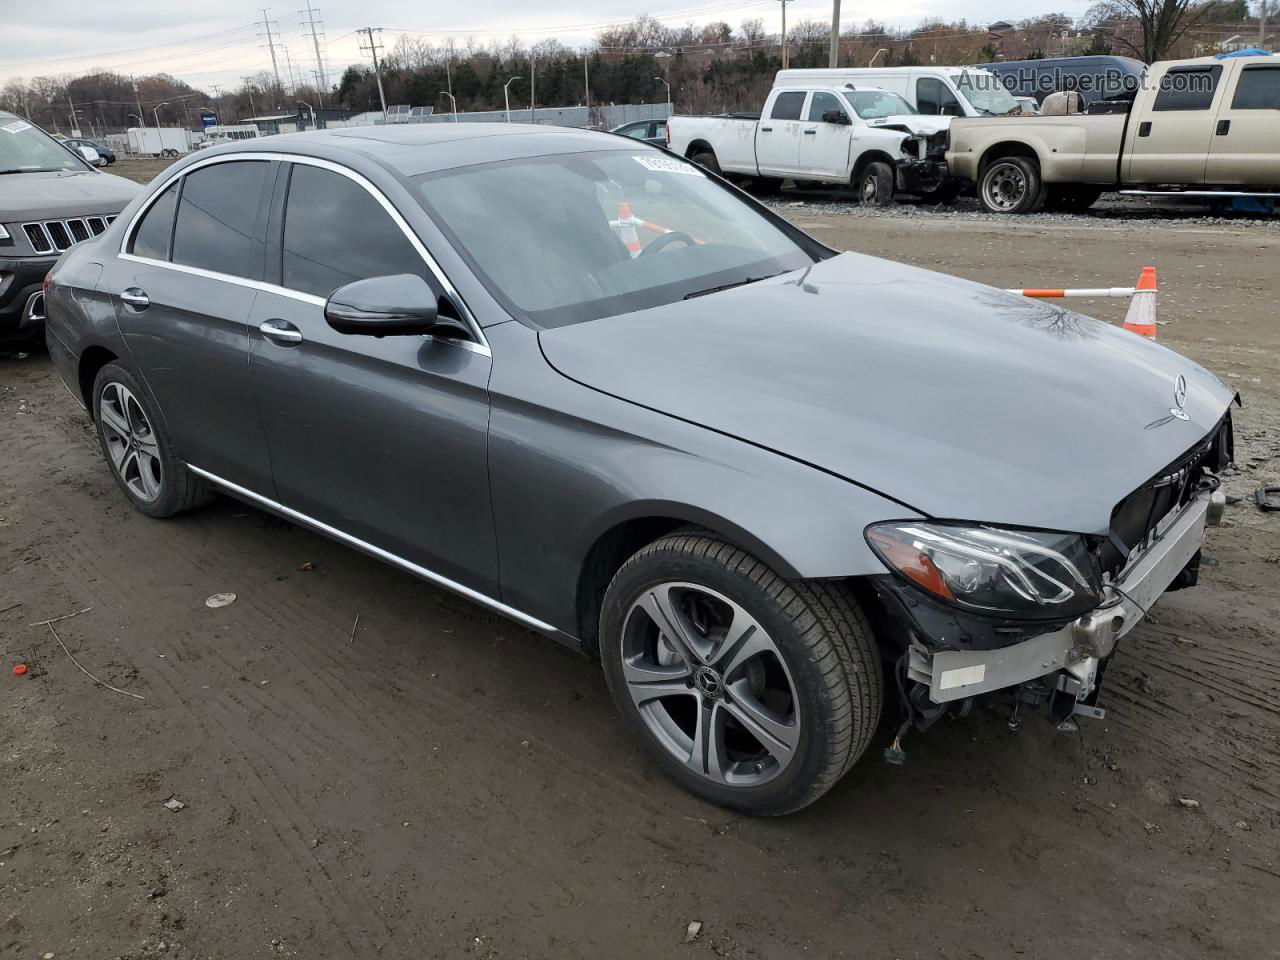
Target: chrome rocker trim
{"x": 422, "y": 572}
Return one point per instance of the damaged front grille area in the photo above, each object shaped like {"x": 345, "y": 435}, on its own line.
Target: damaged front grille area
{"x": 1136, "y": 519}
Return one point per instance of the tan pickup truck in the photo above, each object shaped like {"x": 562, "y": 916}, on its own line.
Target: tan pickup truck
{"x": 1205, "y": 127}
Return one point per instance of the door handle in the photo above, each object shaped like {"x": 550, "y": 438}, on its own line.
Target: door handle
{"x": 1144, "y": 128}
{"x": 135, "y": 298}
{"x": 1224, "y": 127}
{"x": 281, "y": 331}
{"x": 810, "y": 133}
{"x": 766, "y": 129}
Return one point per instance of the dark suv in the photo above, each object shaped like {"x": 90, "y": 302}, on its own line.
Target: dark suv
{"x": 50, "y": 200}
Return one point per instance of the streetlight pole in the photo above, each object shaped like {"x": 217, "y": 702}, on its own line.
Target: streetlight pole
{"x": 833, "y": 60}
{"x": 303, "y": 103}
{"x": 506, "y": 95}
{"x": 663, "y": 81}
{"x": 452, "y": 100}
{"x": 156, "y": 112}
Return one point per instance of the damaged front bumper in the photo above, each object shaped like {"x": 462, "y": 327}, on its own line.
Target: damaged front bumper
{"x": 1075, "y": 650}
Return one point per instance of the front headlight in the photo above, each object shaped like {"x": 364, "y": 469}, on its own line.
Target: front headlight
{"x": 1022, "y": 574}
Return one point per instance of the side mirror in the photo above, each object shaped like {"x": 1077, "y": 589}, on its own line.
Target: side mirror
{"x": 952, "y": 110}
{"x": 836, "y": 116}
{"x": 89, "y": 154}
{"x": 399, "y": 305}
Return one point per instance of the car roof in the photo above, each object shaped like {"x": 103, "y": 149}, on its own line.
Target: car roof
{"x": 419, "y": 148}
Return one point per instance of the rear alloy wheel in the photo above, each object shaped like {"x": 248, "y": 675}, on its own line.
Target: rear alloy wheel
{"x": 752, "y": 692}
{"x": 137, "y": 447}
{"x": 1011, "y": 185}
{"x": 875, "y": 185}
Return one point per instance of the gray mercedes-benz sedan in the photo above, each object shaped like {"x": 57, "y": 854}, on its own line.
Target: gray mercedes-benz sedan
{"x": 584, "y": 383}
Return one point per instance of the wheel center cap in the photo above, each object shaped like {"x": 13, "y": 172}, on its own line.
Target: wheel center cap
{"x": 709, "y": 682}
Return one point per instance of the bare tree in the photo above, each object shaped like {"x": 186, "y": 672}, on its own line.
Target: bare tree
{"x": 1160, "y": 23}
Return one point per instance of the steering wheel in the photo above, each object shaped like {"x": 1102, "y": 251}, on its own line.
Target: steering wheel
{"x": 665, "y": 240}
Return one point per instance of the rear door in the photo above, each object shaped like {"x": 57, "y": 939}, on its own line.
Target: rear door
{"x": 1245, "y": 148}
{"x": 778, "y": 134}
{"x": 1169, "y": 139}
{"x": 824, "y": 145}
{"x": 382, "y": 438}
{"x": 183, "y": 291}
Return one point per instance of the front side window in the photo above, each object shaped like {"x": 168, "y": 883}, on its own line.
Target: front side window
{"x": 823, "y": 103}
{"x": 335, "y": 233}
{"x": 218, "y": 217}
{"x": 574, "y": 237}
{"x": 28, "y": 149}
{"x": 1258, "y": 89}
{"x": 154, "y": 233}
{"x": 788, "y": 105}
{"x": 1188, "y": 88}
{"x": 638, "y": 132}
{"x": 933, "y": 97}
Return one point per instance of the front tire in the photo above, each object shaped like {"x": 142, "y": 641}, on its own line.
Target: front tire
{"x": 875, "y": 185}
{"x": 137, "y": 447}
{"x": 749, "y": 691}
{"x": 1011, "y": 185}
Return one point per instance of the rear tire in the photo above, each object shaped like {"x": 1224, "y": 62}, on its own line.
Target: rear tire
{"x": 136, "y": 445}
{"x": 770, "y": 691}
{"x": 874, "y": 185}
{"x": 1011, "y": 185}
{"x": 707, "y": 160}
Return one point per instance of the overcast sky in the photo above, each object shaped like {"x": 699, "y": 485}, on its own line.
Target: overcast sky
{"x": 188, "y": 39}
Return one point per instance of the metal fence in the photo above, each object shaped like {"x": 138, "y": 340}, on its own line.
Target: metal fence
{"x": 606, "y": 115}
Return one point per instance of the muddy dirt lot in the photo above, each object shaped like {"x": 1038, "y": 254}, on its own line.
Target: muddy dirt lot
{"x": 444, "y": 784}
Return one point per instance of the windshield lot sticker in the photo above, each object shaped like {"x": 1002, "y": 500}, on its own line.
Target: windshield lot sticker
{"x": 16, "y": 127}
{"x": 668, "y": 165}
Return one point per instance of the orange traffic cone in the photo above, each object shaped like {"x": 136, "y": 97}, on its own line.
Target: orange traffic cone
{"x": 627, "y": 225}
{"x": 1141, "y": 318}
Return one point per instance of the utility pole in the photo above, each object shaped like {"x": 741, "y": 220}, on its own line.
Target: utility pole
{"x": 834, "y": 60}
{"x": 372, "y": 50}
{"x": 586, "y": 82}
{"x": 288, "y": 65}
{"x": 265, "y": 23}
{"x": 313, "y": 25}
{"x": 786, "y": 59}
{"x": 533, "y": 79}
{"x": 71, "y": 103}
{"x": 142, "y": 117}
{"x": 248, "y": 86}
{"x": 1262, "y": 24}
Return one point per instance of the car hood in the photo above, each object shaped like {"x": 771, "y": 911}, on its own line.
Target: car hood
{"x": 59, "y": 194}
{"x": 913, "y": 123}
{"x": 957, "y": 400}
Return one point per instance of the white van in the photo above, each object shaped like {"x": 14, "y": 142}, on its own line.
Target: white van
{"x": 938, "y": 91}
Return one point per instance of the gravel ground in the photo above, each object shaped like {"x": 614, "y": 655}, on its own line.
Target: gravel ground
{"x": 439, "y": 783}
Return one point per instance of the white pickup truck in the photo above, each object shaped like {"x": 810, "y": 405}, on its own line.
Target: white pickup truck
{"x": 864, "y": 137}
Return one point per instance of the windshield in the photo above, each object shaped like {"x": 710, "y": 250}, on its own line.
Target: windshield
{"x": 28, "y": 149}
{"x": 986, "y": 93}
{"x": 573, "y": 237}
{"x": 874, "y": 104}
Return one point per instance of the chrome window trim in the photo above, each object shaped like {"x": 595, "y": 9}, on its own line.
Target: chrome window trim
{"x": 418, "y": 571}
{"x": 481, "y": 344}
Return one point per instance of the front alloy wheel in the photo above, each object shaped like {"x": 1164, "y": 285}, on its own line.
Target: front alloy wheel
{"x": 750, "y": 691}
{"x": 710, "y": 684}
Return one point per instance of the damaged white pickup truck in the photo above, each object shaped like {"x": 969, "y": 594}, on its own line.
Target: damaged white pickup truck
{"x": 867, "y": 138}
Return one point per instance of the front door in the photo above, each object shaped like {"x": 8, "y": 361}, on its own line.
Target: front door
{"x": 183, "y": 295}
{"x": 1245, "y": 148}
{"x": 824, "y": 144}
{"x": 382, "y": 438}
{"x": 1168, "y": 142}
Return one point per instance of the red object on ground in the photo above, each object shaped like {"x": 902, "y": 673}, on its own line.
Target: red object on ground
{"x": 19, "y": 669}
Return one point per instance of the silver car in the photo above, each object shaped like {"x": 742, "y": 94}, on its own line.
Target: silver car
{"x": 784, "y": 494}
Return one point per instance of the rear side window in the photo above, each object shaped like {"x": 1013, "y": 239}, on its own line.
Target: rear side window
{"x": 934, "y": 97}
{"x": 823, "y": 102}
{"x": 335, "y": 233}
{"x": 218, "y": 217}
{"x": 788, "y": 105}
{"x": 1258, "y": 89}
{"x": 1188, "y": 88}
{"x": 154, "y": 233}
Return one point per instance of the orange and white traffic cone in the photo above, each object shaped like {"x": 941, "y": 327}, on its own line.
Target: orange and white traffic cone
{"x": 1141, "y": 318}
{"x": 627, "y": 228}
